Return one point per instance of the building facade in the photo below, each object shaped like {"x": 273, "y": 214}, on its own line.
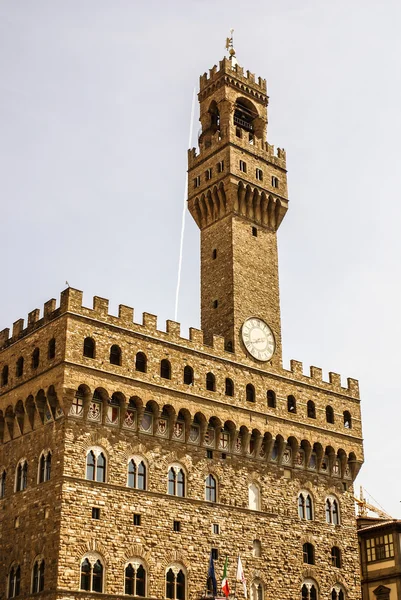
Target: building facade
{"x": 128, "y": 453}
{"x": 380, "y": 556}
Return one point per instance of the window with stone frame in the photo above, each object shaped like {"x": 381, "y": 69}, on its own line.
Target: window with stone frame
{"x": 92, "y": 573}
{"x": 229, "y": 387}
{"x": 21, "y": 476}
{"x": 347, "y": 419}
{"x": 38, "y": 576}
{"x": 3, "y": 484}
{"x": 271, "y": 399}
{"x": 336, "y": 557}
{"x": 96, "y": 465}
{"x": 176, "y": 583}
{"x": 311, "y": 409}
{"x": 257, "y": 590}
{"x": 332, "y": 510}
{"x": 210, "y": 382}
{"x": 308, "y": 552}
{"x": 305, "y": 506}
{"x": 141, "y": 362}
{"x": 253, "y": 496}
{"x": 165, "y": 369}
{"x": 329, "y": 414}
{"x": 137, "y": 473}
{"x": 188, "y": 375}
{"x": 14, "y": 581}
{"x": 4, "y": 376}
{"x": 382, "y": 592}
{"x": 19, "y": 368}
{"x": 257, "y": 548}
{"x": 35, "y": 358}
{"x": 309, "y": 590}
{"x": 250, "y": 393}
{"x": 291, "y": 404}
{"x": 211, "y": 488}
{"x": 89, "y": 347}
{"x": 379, "y": 547}
{"x": 51, "y": 349}
{"x": 115, "y": 355}
{"x": 337, "y": 592}
{"x": 176, "y": 481}
{"x": 45, "y": 464}
{"x": 135, "y": 578}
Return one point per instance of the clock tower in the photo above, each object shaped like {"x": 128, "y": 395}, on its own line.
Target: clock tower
{"x": 237, "y": 194}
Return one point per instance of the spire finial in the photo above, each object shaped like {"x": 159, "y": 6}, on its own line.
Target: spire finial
{"x": 230, "y": 48}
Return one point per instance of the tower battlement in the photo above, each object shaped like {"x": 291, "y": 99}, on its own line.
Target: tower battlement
{"x": 245, "y": 79}
{"x": 71, "y": 301}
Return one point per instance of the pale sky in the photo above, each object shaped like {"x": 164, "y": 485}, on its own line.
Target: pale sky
{"x": 95, "y": 102}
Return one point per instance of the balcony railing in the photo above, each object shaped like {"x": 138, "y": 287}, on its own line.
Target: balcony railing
{"x": 242, "y": 123}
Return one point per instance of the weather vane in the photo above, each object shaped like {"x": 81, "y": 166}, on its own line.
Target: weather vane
{"x": 230, "y": 44}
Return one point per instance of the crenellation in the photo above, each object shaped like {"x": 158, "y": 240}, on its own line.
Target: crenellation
{"x": 101, "y": 306}
{"x": 149, "y": 322}
{"x": 4, "y": 336}
{"x": 126, "y": 315}
{"x": 353, "y": 386}
{"x": 48, "y": 308}
{"x": 33, "y": 317}
{"x": 235, "y": 71}
{"x": 218, "y": 344}
{"x": 173, "y": 329}
{"x": 71, "y": 300}
{"x": 18, "y": 327}
{"x": 297, "y": 368}
{"x": 316, "y": 373}
{"x": 196, "y": 336}
{"x": 335, "y": 379}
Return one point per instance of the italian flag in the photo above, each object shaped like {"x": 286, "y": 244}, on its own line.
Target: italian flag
{"x": 224, "y": 584}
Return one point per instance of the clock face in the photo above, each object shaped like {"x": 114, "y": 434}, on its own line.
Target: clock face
{"x": 258, "y": 339}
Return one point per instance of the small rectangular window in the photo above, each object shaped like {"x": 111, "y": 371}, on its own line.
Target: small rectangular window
{"x": 197, "y": 181}
{"x": 220, "y": 166}
{"x": 215, "y": 528}
{"x": 215, "y": 303}
{"x": 177, "y": 526}
{"x": 223, "y": 455}
{"x": 242, "y": 166}
{"x": 254, "y": 232}
{"x": 209, "y": 453}
{"x": 215, "y": 554}
{"x": 137, "y": 519}
{"x": 214, "y": 254}
{"x": 95, "y": 512}
{"x": 208, "y": 174}
{"x": 259, "y": 174}
{"x": 275, "y": 182}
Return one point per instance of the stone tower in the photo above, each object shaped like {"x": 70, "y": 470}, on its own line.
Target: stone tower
{"x": 237, "y": 194}
{"x": 131, "y": 455}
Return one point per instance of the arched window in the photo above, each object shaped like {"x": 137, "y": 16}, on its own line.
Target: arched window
{"x": 271, "y": 399}
{"x": 336, "y": 557}
{"x": 329, "y": 414}
{"x": 165, "y": 369}
{"x": 229, "y": 390}
{"x": 257, "y": 548}
{"x": 250, "y": 393}
{"x": 38, "y": 576}
{"x": 176, "y": 481}
{"x": 135, "y": 579}
{"x": 291, "y": 404}
{"x": 188, "y": 375}
{"x": 3, "y": 484}
{"x": 311, "y": 409}
{"x": 19, "y": 368}
{"x": 35, "y": 358}
{"x": 137, "y": 473}
{"x": 140, "y": 362}
{"x": 45, "y": 463}
{"x": 4, "y": 375}
{"x": 309, "y": 590}
{"x": 210, "y": 382}
{"x": 305, "y": 506}
{"x": 89, "y": 347}
{"x": 308, "y": 553}
{"x": 257, "y": 590}
{"x": 96, "y": 465}
{"x": 244, "y": 114}
{"x": 92, "y": 574}
{"x": 115, "y": 355}
{"x": 51, "y": 349}
{"x": 21, "y": 476}
{"x": 347, "y": 420}
{"x": 253, "y": 496}
{"x": 337, "y": 593}
{"x": 14, "y": 581}
{"x": 210, "y": 489}
{"x": 332, "y": 511}
{"x": 175, "y": 583}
